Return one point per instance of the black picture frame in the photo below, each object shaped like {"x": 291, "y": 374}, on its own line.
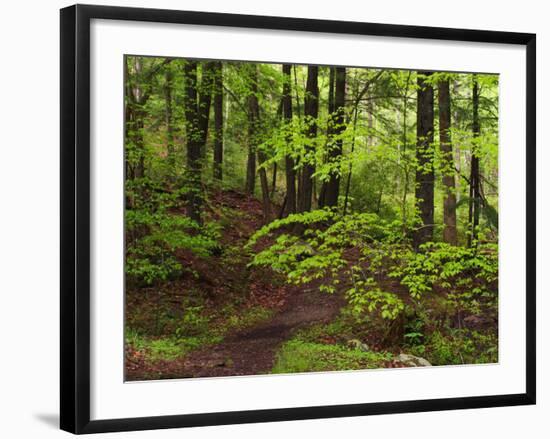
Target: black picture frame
{"x": 75, "y": 217}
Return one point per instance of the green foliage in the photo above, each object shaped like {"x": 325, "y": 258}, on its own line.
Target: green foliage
{"x": 459, "y": 346}
{"x": 362, "y": 300}
{"x": 361, "y": 250}
{"x": 167, "y": 348}
{"x": 155, "y": 233}
{"x": 467, "y": 276}
{"x": 250, "y": 317}
{"x": 192, "y": 330}
{"x": 299, "y": 356}
{"x": 412, "y": 300}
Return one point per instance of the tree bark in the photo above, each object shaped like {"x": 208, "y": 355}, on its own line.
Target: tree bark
{"x": 474, "y": 205}
{"x": 274, "y": 180}
{"x": 218, "y": 122}
{"x": 193, "y": 138}
{"x": 447, "y": 160}
{"x": 311, "y": 110}
{"x": 251, "y": 159}
{"x": 197, "y": 115}
{"x": 424, "y": 190}
{"x": 168, "y": 85}
{"x": 290, "y": 172}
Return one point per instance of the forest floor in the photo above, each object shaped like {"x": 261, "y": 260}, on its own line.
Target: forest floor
{"x": 221, "y": 317}
{"x": 252, "y": 351}
{"x": 244, "y": 315}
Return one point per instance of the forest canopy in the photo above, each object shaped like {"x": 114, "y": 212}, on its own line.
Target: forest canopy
{"x": 365, "y": 197}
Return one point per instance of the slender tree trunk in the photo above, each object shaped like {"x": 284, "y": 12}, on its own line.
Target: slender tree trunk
{"x": 299, "y": 170}
{"x": 406, "y": 167}
{"x": 139, "y": 114}
{"x": 370, "y": 122}
{"x": 311, "y": 109}
{"x": 168, "y": 85}
{"x": 290, "y": 172}
{"x": 424, "y": 190}
{"x": 456, "y": 146}
{"x": 128, "y": 120}
{"x": 218, "y": 122}
{"x": 352, "y": 149}
{"x": 474, "y": 205}
{"x": 251, "y": 159}
{"x": 330, "y": 129}
{"x": 335, "y": 152}
{"x": 205, "y": 99}
{"x": 274, "y": 180}
{"x": 445, "y": 145}
{"x": 254, "y": 139}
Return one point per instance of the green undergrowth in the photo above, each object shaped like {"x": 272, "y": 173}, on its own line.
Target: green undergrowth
{"x": 345, "y": 344}
{"x": 194, "y": 333}
{"x": 301, "y": 356}
{"x": 458, "y": 346}
{"x": 326, "y": 347}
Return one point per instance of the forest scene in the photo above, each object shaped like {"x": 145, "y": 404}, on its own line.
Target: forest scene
{"x": 285, "y": 218}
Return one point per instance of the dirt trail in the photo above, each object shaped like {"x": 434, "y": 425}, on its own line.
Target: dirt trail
{"x": 252, "y": 351}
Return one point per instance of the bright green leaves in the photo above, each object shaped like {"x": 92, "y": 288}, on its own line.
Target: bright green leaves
{"x": 467, "y": 276}
{"x": 360, "y": 252}
{"x": 155, "y": 234}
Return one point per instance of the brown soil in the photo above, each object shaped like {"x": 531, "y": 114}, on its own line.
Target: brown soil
{"x": 252, "y": 351}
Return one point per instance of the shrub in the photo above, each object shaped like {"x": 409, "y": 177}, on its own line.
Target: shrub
{"x": 154, "y": 234}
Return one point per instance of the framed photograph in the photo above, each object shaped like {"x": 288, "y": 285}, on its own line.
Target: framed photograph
{"x": 273, "y": 218}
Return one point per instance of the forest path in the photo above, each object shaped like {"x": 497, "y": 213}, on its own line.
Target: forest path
{"x": 252, "y": 350}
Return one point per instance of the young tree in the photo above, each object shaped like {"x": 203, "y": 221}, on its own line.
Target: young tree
{"x": 218, "y": 121}
{"x": 290, "y": 200}
{"x": 448, "y": 168}
{"x": 424, "y": 189}
{"x": 335, "y": 148}
{"x": 311, "y": 110}
{"x": 252, "y": 104}
{"x": 330, "y": 126}
{"x": 168, "y": 117}
{"x": 474, "y": 204}
{"x": 254, "y": 134}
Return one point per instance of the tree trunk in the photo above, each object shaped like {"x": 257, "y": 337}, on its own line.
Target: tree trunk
{"x": 445, "y": 145}
{"x": 192, "y": 132}
{"x": 197, "y": 114}
{"x": 205, "y": 99}
{"x": 290, "y": 203}
{"x": 424, "y": 190}
{"x": 335, "y": 148}
{"x": 474, "y": 205}
{"x": 168, "y": 84}
{"x": 330, "y": 128}
{"x": 218, "y": 122}
{"x": 251, "y": 159}
{"x": 139, "y": 114}
{"x": 274, "y": 180}
{"x": 254, "y": 139}
{"x": 311, "y": 109}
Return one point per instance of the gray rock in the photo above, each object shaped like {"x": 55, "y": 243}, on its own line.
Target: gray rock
{"x": 412, "y": 361}
{"x": 359, "y": 345}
